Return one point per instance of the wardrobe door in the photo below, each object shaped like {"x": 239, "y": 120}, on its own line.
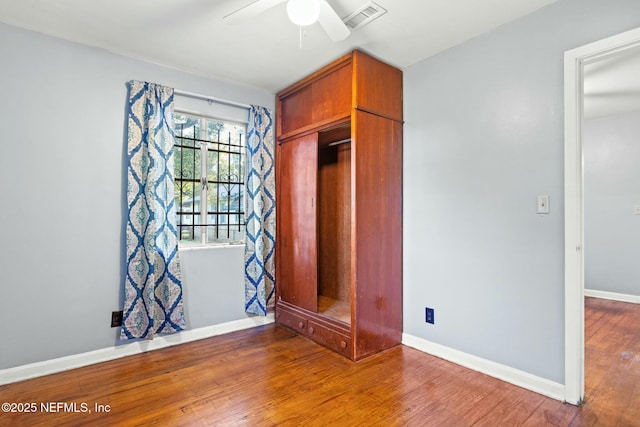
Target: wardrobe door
{"x": 378, "y": 233}
{"x": 297, "y": 216}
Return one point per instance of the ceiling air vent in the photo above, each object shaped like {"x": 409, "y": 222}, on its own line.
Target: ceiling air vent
{"x": 364, "y": 15}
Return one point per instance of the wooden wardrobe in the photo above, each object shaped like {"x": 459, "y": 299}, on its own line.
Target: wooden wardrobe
{"x": 339, "y": 206}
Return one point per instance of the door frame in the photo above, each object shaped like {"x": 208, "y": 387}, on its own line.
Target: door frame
{"x": 574, "y": 61}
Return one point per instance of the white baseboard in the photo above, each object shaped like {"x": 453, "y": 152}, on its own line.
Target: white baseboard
{"x": 493, "y": 369}
{"x": 612, "y": 296}
{"x": 66, "y": 363}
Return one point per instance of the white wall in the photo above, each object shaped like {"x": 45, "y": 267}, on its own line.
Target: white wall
{"x": 62, "y": 189}
{"x": 611, "y": 147}
{"x": 483, "y": 137}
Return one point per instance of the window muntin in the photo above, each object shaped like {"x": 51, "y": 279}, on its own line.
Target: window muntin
{"x": 209, "y": 165}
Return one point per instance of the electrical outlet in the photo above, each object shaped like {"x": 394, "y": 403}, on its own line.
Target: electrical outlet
{"x": 429, "y": 315}
{"x": 542, "y": 204}
{"x": 116, "y": 318}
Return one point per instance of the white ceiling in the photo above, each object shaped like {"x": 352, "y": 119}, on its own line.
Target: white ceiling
{"x": 263, "y": 52}
{"x": 612, "y": 85}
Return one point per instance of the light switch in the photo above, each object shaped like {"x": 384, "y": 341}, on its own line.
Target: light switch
{"x": 636, "y": 210}
{"x": 542, "y": 204}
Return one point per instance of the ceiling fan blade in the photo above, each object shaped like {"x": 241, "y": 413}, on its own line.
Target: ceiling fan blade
{"x": 251, "y": 10}
{"x": 331, "y": 22}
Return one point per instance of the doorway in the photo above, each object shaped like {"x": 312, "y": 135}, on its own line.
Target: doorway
{"x": 575, "y": 61}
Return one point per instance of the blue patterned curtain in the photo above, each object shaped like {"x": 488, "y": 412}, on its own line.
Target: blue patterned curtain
{"x": 152, "y": 289}
{"x": 260, "y": 213}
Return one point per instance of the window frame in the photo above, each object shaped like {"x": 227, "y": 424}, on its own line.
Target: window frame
{"x": 206, "y": 230}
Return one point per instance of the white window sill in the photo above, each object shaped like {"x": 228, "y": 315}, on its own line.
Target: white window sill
{"x": 200, "y": 246}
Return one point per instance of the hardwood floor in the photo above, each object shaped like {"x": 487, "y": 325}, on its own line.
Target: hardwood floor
{"x": 612, "y": 363}
{"x": 268, "y": 376}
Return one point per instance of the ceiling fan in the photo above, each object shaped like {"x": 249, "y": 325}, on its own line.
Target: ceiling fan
{"x": 301, "y": 12}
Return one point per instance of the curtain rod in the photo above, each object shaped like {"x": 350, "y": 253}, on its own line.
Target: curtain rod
{"x": 211, "y": 99}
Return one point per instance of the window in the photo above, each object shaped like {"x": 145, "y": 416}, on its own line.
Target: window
{"x": 209, "y": 166}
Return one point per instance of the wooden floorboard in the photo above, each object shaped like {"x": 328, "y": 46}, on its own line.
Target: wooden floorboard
{"x": 612, "y": 364}
{"x": 268, "y": 376}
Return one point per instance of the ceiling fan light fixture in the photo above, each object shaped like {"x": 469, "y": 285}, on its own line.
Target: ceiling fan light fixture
{"x": 303, "y": 12}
